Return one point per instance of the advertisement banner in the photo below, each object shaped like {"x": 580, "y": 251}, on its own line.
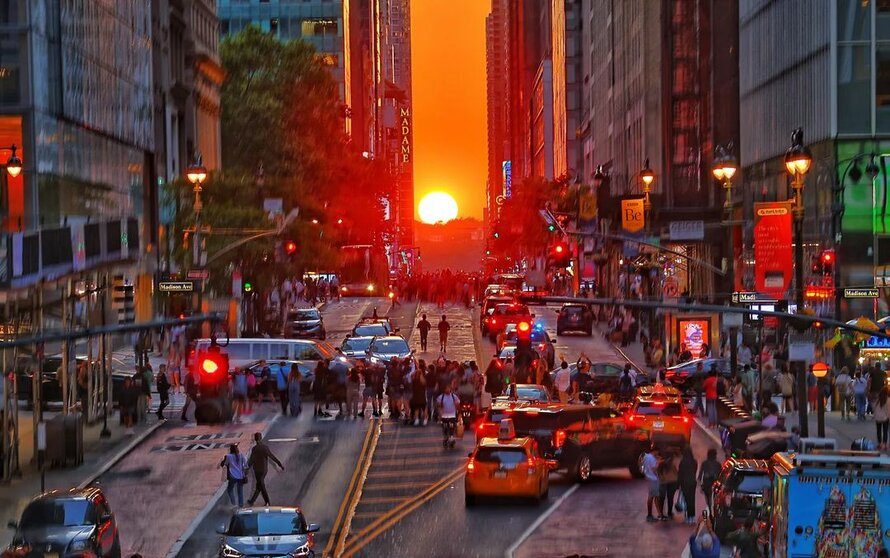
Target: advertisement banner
{"x": 633, "y": 217}
{"x": 772, "y": 248}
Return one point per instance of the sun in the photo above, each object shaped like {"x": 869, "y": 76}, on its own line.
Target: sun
{"x": 437, "y": 207}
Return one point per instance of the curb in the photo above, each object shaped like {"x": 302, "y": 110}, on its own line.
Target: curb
{"x": 205, "y": 511}
{"x": 116, "y": 458}
{"x": 541, "y": 519}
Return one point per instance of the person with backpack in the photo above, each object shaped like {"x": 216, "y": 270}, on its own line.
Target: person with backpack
{"x": 860, "y": 391}
{"x": 707, "y": 474}
{"x": 842, "y": 383}
{"x": 448, "y": 403}
{"x": 163, "y": 390}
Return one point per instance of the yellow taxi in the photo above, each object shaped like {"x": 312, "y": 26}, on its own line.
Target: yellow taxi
{"x": 661, "y": 411}
{"x": 508, "y": 465}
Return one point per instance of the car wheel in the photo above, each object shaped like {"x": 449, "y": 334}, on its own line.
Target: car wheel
{"x": 583, "y": 469}
{"x": 636, "y": 469}
{"x": 469, "y": 500}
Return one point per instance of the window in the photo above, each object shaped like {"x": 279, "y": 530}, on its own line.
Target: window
{"x": 854, "y": 89}
{"x": 319, "y": 27}
{"x": 501, "y": 456}
{"x": 853, "y": 20}
{"x": 267, "y": 524}
{"x": 68, "y": 513}
{"x": 239, "y": 351}
{"x": 882, "y": 87}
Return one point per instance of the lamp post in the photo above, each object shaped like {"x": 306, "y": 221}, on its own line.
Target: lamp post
{"x": 798, "y": 160}
{"x": 647, "y": 177}
{"x": 13, "y": 164}
{"x": 724, "y": 168}
{"x": 196, "y": 173}
{"x": 820, "y": 370}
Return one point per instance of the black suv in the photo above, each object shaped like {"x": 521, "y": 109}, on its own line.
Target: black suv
{"x": 574, "y": 317}
{"x": 737, "y": 494}
{"x": 580, "y": 437}
{"x": 67, "y": 523}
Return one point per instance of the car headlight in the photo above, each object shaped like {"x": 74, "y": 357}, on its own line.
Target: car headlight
{"x": 229, "y": 552}
{"x": 370, "y": 288}
{"x": 81, "y": 544}
{"x": 375, "y": 360}
{"x": 302, "y": 551}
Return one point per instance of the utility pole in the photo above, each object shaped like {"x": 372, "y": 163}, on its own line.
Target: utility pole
{"x": 106, "y": 433}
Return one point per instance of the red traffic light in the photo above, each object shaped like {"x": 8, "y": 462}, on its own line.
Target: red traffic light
{"x": 290, "y": 247}
{"x": 213, "y": 364}
{"x": 828, "y": 257}
{"x": 209, "y": 366}
{"x": 559, "y": 249}
{"x": 523, "y": 327}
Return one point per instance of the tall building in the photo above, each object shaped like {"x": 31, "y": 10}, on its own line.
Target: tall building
{"x": 81, "y": 119}
{"x": 820, "y": 65}
{"x": 499, "y": 182}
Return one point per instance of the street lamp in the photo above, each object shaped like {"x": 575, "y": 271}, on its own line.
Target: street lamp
{"x": 820, "y": 370}
{"x": 647, "y": 177}
{"x": 599, "y": 176}
{"x": 13, "y": 164}
{"x": 196, "y": 173}
{"x": 724, "y": 168}
{"x": 798, "y": 160}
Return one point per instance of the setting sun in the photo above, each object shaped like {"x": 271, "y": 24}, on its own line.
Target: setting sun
{"x": 437, "y": 207}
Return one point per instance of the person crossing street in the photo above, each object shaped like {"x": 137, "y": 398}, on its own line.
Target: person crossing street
{"x": 444, "y": 327}
{"x": 424, "y": 327}
{"x": 260, "y": 455}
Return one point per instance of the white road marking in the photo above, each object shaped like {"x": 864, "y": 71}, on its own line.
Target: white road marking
{"x": 541, "y": 519}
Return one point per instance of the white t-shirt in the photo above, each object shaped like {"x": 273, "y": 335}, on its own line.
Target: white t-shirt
{"x": 563, "y": 379}
{"x": 649, "y": 467}
{"x": 449, "y": 405}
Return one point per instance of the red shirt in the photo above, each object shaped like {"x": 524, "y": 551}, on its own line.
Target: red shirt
{"x": 710, "y": 387}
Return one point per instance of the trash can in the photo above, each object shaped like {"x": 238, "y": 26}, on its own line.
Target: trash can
{"x": 55, "y": 441}
{"x": 74, "y": 438}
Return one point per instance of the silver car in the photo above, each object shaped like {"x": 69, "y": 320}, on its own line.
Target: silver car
{"x": 272, "y": 531}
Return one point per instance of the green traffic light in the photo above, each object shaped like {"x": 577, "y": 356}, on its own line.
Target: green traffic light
{"x": 551, "y": 227}
{"x": 248, "y": 287}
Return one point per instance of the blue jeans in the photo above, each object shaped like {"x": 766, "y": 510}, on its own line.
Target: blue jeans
{"x": 860, "y": 406}
{"x": 712, "y": 411}
{"x": 239, "y": 486}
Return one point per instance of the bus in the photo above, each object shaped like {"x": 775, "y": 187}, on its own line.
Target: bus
{"x": 363, "y": 271}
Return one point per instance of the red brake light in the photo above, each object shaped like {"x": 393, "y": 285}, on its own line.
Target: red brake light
{"x": 686, "y": 420}
{"x": 471, "y": 465}
{"x": 559, "y": 438}
{"x": 630, "y": 418}
{"x": 531, "y": 462}
{"x": 494, "y": 321}
{"x": 523, "y": 326}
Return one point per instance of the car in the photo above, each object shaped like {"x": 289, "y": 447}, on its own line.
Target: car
{"x": 244, "y": 351}
{"x": 509, "y": 351}
{"x": 307, "y": 371}
{"x": 269, "y": 531}
{"x": 606, "y": 376}
{"x": 304, "y": 323}
{"x": 355, "y": 348}
{"x": 385, "y": 320}
{"x": 737, "y": 494}
{"x": 507, "y": 313}
{"x": 661, "y": 411}
{"x": 51, "y": 389}
{"x": 67, "y": 523}
{"x": 362, "y": 288}
{"x": 488, "y": 305}
{"x": 372, "y": 329}
{"x": 541, "y": 341}
{"x": 581, "y": 438}
{"x": 535, "y": 393}
{"x": 507, "y": 465}
{"x": 497, "y": 290}
{"x": 383, "y": 349}
{"x": 576, "y": 318}
{"x": 683, "y": 375}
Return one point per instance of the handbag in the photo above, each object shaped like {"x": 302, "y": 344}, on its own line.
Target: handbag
{"x": 681, "y": 503}
{"x": 459, "y": 429}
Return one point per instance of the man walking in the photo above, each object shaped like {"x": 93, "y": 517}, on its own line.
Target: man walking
{"x": 710, "y": 389}
{"x": 191, "y": 394}
{"x": 650, "y": 466}
{"x": 424, "y": 327}
{"x": 260, "y": 455}
{"x": 444, "y": 326}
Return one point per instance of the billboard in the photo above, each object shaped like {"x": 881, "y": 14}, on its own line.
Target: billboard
{"x": 633, "y": 215}
{"x": 772, "y": 248}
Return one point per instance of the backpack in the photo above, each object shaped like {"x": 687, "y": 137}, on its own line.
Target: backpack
{"x": 251, "y": 380}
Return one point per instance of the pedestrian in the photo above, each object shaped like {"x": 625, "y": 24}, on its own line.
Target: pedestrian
{"x": 687, "y": 477}
{"x": 369, "y": 391}
{"x": 698, "y": 381}
{"x": 668, "y": 482}
{"x": 239, "y": 393}
{"x": 260, "y": 455}
{"x": 163, "y": 390}
{"x": 418, "y": 394}
{"x": 281, "y": 384}
{"x": 745, "y": 540}
{"x": 294, "y": 400}
{"x": 625, "y": 385}
{"x": 448, "y": 403}
{"x": 266, "y": 382}
{"x": 650, "y": 467}
{"x": 353, "y": 394}
{"x": 710, "y": 388}
{"x": 424, "y": 327}
{"x": 320, "y": 388}
{"x": 146, "y": 377}
{"x": 444, "y": 326}
{"x": 749, "y": 386}
{"x": 842, "y": 385}
{"x": 191, "y": 394}
{"x": 881, "y": 408}
{"x": 812, "y": 390}
{"x": 129, "y": 401}
{"x": 738, "y": 394}
{"x": 236, "y": 467}
{"x": 563, "y": 381}
{"x": 786, "y": 388}
{"x": 339, "y": 371}
{"x": 877, "y": 382}
{"x": 707, "y": 475}
{"x": 703, "y": 543}
{"x": 860, "y": 394}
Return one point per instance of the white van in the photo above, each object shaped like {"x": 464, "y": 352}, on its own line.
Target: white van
{"x": 245, "y": 351}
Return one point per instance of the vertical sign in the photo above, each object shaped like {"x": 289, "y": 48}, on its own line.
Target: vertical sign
{"x": 633, "y": 217}
{"x": 772, "y": 248}
{"x": 405, "y": 115}
{"x": 507, "y": 169}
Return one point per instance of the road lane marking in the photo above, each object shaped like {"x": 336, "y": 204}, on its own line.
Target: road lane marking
{"x": 353, "y": 493}
{"x": 403, "y": 474}
{"x": 541, "y": 519}
{"x": 382, "y": 500}
{"x": 390, "y": 518}
{"x": 407, "y": 460}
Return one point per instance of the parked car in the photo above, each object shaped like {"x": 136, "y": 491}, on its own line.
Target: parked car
{"x": 575, "y": 318}
{"x": 605, "y": 376}
{"x": 67, "y": 523}
{"x": 304, "y": 323}
{"x": 269, "y": 531}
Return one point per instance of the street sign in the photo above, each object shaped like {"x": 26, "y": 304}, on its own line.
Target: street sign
{"x": 686, "y": 230}
{"x": 176, "y": 286}
{"x": 861, "y": 293}
{"x": 198, "y": 274}
{"x": 633, "y": 216}
{"x": 742, "y": 297}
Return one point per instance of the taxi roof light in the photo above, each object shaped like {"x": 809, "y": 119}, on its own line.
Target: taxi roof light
{"x": 506, "y": 430}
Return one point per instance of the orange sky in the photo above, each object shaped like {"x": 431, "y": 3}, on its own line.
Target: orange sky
{"x": 450, "y": 134}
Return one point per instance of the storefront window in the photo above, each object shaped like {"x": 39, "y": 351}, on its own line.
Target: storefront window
{"x": 853, "y": 20}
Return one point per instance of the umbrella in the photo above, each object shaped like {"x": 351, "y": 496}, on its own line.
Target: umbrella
{"x": 863, "y": 323}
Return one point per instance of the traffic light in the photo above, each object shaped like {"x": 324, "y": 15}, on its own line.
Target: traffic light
{"x": 213, "y": 367}
{"x": 560, "y": 254}
{"x": 247, "y": 286}
{"x": 827, "y": 259}
{"x": 816, "y": 265}
{"x": 551, "y": 227}
{"x": 290, "y": 247}
{"x": 523, "y": 331}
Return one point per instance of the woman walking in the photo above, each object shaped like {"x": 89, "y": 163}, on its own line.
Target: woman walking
{"x": 687, "y": 474}
{"x": 882, "y": 417}
{"x": 293, "y": 390}
{"x": 418, "y": 393}
{"x": 236, "y": 468}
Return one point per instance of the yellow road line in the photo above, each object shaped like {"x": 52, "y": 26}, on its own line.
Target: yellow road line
{"x": 404, "y": 473}
{"x": 350, "y": 493}
{"x": 401, "y": 462}
{"x": 384, "y": 522}
{"x": 374, "y": 487}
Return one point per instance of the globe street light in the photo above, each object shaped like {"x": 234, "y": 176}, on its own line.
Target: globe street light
{"x": 13, "y": 164}
{"x": 798, "y": 161}
{"x": 647, "y": 177}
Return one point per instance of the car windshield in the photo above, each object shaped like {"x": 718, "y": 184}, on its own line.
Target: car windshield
{"x": 752, "y": 483}
{"x": 531, "y": 393}
{"x": 511, "y": 310}
{"x": 60, "y": 512}
{"x": 507, "y": 351}
{"x": 356, "y": 344}
{"x": 501, "y": 456}
{"x": 310, "y": 314}
{"x": 390, "y": 346}
{"x": 370, "y": 329}
{"x": 524, "y": 422}
{"x": 571, "y": 310}
{"x": 266, "y": 524}
{"x": 658, "y": 408}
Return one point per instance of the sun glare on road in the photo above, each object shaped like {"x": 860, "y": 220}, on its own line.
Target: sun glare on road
{"x": 437, "y": 207}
